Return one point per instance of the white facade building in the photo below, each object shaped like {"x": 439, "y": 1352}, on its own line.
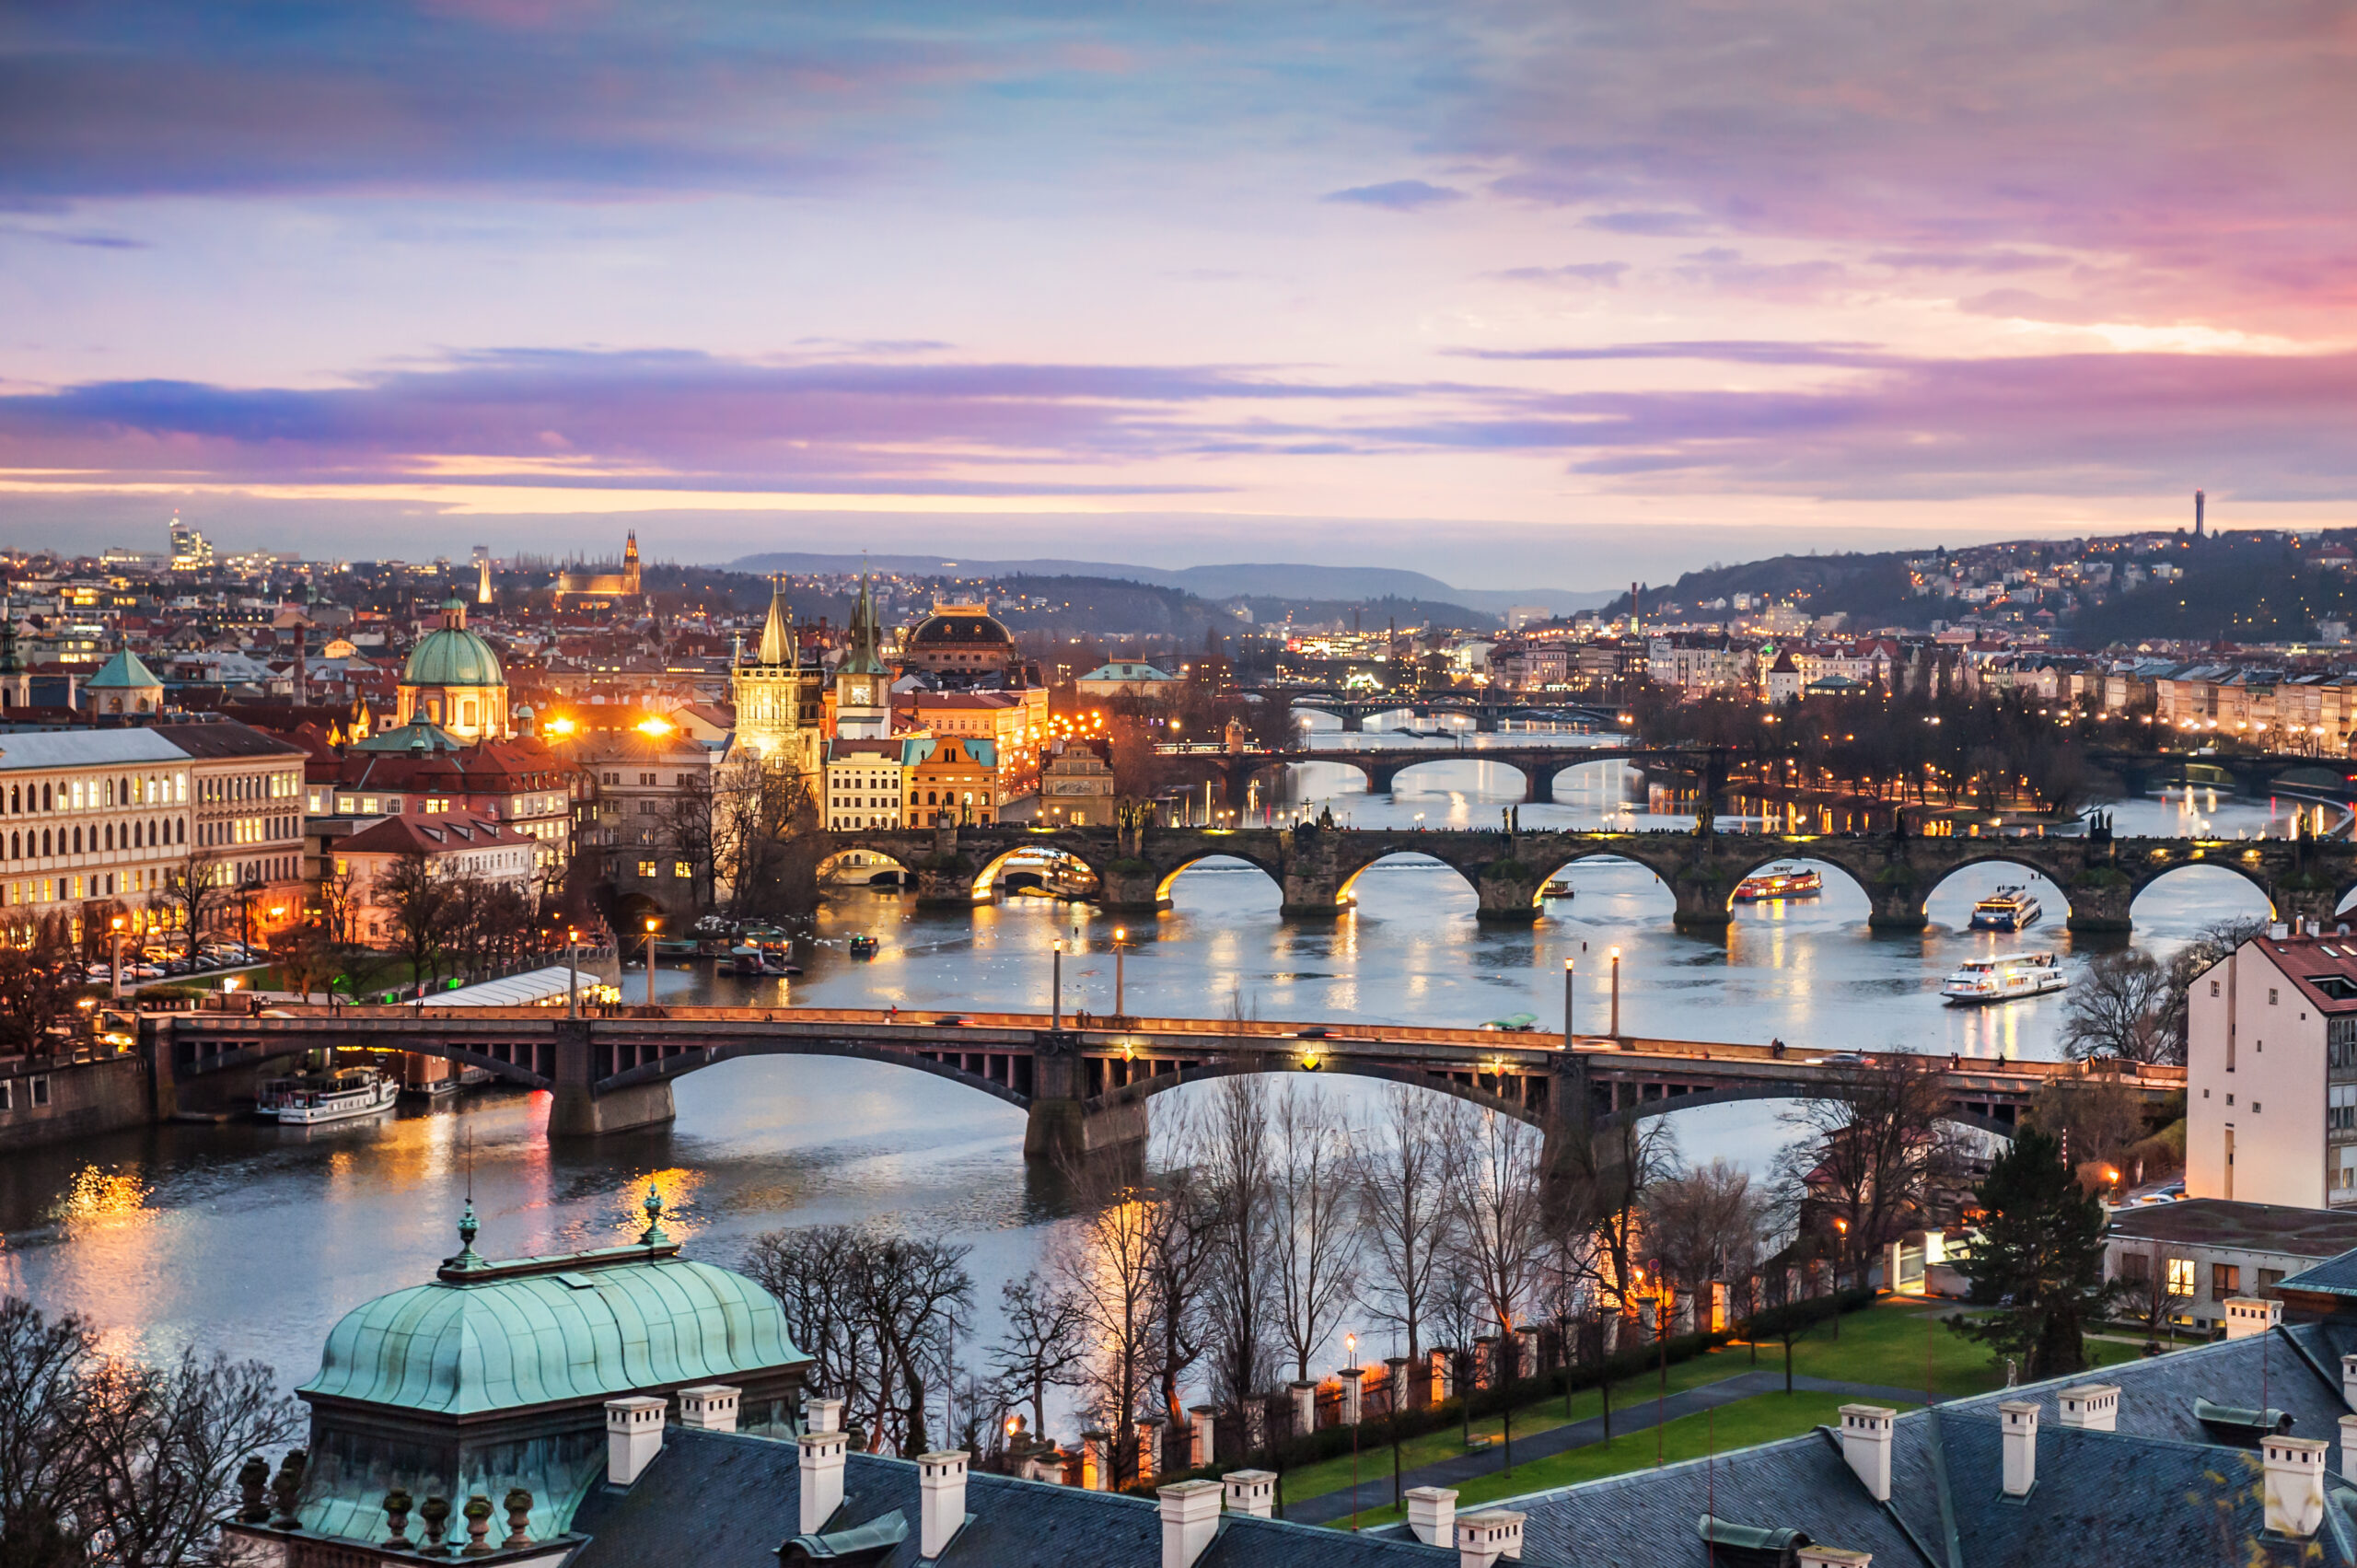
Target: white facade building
{"x": 2271, "y": 1075}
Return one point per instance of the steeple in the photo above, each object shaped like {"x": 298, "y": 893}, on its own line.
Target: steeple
{"x": 9, "y": 663}
{"x": 777, "y": 633}
{"x": 863, "y": 658}
{"x": 630, "y": 563}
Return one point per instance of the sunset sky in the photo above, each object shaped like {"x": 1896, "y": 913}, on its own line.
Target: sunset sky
{"x": 1512, "y": 294}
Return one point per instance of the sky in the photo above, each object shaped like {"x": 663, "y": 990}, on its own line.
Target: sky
{"x": 1513, "y": 294}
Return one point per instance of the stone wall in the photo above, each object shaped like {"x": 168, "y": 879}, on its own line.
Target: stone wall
{"x": 49, "y": 1103}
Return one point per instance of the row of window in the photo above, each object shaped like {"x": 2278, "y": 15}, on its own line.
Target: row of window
{"x": 2183, "y": 1279}
{"x": 100, "y": 885}
{"x": 32, "y": 1092}
{"x": 244, "y": 830}
{"x": 648, "y": 870}
{"x": 94, "y": 795}
{"x": 229, "y": 788}
{"x": 97, "y": 839}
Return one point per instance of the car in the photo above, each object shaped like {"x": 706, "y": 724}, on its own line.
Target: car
{"x": 1313, "y": 1033}
{"x": 1845, "y": 1059}
{"x": 947, "y": 1018}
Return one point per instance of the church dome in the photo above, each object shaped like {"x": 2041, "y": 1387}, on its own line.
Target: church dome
{"x": 959, "y": 628}
{"x": 452, "y": 656}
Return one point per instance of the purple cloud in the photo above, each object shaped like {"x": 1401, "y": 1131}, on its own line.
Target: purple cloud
{"x": 1595, "y": 274}
{"x": 1675, "y": 226}
{"x": 1399, "y": 196}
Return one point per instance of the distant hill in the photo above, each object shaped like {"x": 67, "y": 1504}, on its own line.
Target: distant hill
{"x": 1870, "y": 589}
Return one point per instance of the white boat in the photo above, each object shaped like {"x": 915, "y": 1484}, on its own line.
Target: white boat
{"x": 2004, "y": 978}
{"x": 2007, "y": 909}
{"x": 308, "y": 1099}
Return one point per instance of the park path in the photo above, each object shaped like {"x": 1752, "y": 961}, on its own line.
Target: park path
{"x": 1375, "y": 1490}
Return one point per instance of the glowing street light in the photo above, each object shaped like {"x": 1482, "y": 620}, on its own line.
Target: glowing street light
{"x": 650, "y": 961}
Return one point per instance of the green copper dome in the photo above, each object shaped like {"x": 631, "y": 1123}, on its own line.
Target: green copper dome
{"x": 452, "y": 656}
{"x": 487, "y": 1337}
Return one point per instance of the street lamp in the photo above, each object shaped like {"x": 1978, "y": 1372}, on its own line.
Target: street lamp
{"x": 1661, "y": 1337}
{"x": 650, "y": 962}
{"x": 114, "y": 975}
{"x": 1056, "y": 988}
{"x": 572, "y": 973}
{"x": 1616, "y": 993}
{"x": 1351, "y": 1352}
{"x": 1570, "y": 972}
{"x": 1120, "y": 934}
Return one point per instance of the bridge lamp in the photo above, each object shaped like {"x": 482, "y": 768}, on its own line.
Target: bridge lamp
{"x": 1056, "y": 985}
{"x": 1571, "y": 971}
{"x": 1616, "y": 993}
{"x": 650, "y": 962}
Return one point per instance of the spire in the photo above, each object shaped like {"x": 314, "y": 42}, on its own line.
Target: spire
{"x": 777, "y": 633}
{"x": 9, "y": 664}
{"x": 863, "y": 658}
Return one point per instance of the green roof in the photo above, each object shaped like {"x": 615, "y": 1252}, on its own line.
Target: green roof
{"x": 452, "y": 656}
{"x": 414, "y": 736}
{"x": 123, "y": 671}
{"x": 588, "y": 1326}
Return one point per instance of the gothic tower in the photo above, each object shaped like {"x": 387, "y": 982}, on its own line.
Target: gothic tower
{"x": 863, "y": 686}
{"x": 768, "y": 691}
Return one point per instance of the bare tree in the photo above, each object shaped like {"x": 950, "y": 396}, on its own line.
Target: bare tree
{"x": 2094, "y": 1118}
{"x": 196, "y": 889}
{"x": 1703, "y": 1225}
{"x": 1043, "y": 1347}
{"x": 1601, "y": 1179}
{"x": 1873, "y": 1156}
{"x": 1491, "y": 1173}
{"x": 1105, "y": 1262}
{"x": 1238, "y": 1170}
{"x": 2120, "y": 1008}
{"x": 1311, "y": 1213}
{"x": 1404, "y": 1215}
{"x": 2151, "y": 1296}
{"x": 36, "y": 984}
{"x": 340, "y": 901}
{"x": 415, "y": 896}
{"x": 1184, "y": 1239}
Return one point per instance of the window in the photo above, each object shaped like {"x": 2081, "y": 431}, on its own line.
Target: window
{"x": 2225, "y": 1279}
{"x": 2181, "y": 1277}
{"x": 646, "y": 869}
{"x": 7, "y": 1093}
{"x": 39, "y": 1083}
{"x": 682, "y": 868}
{"x": 2268, "y": 1279}
{"x": 2137, "y": 1266}
{"x": 2270, "y": 996}
{"x": 2214, "y": 987}
{"x": 646, "y": 809}
{"x": 2340, "y": 1109}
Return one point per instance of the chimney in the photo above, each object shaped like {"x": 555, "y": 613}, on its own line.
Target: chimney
{"x": 822, "y": 1478}
{"x": 1431, "y": 1515}
{"x": 1190, "y": 1519}
{"x": 1250, "y": 1493}
{"x": 2200, "y": 502}
{"x": 1865, "y": 1444}
{"x": 823, "y": 1415}
{"x": 1483, "y": 1538}
{"x": 2020, "y": 1418}
{"x": 710, "y": 1407}
{"x": 2349, "y": 1381}
{"x": 2246, "y": 1316}
{"x": 2294, "y": 1484}
{"x": 2093, "y": 1407}
{"x": 2349, "y": 1448}
{"x": 941, "y": 1488}
{"x": 633, "y": 1436}
{"x": 1834, "y": 1557}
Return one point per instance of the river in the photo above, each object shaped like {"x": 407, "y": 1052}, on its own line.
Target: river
{"x": 254, "y": 1239}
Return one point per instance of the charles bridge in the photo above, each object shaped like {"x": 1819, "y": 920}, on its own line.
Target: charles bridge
{"x": 1315, "y": 865}
{"x": 1537, "y": 764}
{"x": 1083, "y": 1084}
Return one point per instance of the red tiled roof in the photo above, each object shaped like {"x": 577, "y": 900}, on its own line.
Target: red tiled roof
{"x": 444, "y": 834}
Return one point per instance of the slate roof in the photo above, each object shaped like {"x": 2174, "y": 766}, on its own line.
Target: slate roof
{"x": 730, "y": 1501}
{"x": 2334, "y": 1276}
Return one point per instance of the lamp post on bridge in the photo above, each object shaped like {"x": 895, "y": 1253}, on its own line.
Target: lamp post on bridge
{"x": 1120, "y": 934}
{"x": 572, "y": 972}
{"x": 115, "y": 970}
{"x": 1056, "y": 989}
{"x": 1615, "y": 995}
{"x": 1571, "y": 974}
{"x": 650, "y": 963}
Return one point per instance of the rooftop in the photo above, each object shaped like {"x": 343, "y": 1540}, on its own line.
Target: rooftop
{"x": 2257, "y": 1227}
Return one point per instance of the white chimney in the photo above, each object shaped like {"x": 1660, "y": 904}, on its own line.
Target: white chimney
{"x": 1206, "y": 1449}
{"x": 822, "y": 1416}
{"x": 1431, "y": 1515}
{"x": 1190, "y": 1519}
{"x": 2246, "y": 1316}
{"x": 1251, "y": 1491}
{"x": 711, "y": 1406}
{"x": 1834, "y": 1557}
{"x": 941, "y": 1501}
{"x": 2094, "y": 1407}
{"x": 633, "y": 1436}
{"x": 822, "y": 1478}
{"x": 2349, "y": 1381}
{"x": 2349, "y": 1448}
{"x": 2020, "y": 1419}
{"x": 1865, "y": 1443}
{"x": 1483, "y": 1538}
{"x": 2294, "y": 1484}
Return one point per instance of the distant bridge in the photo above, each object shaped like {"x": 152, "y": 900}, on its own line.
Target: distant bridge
{"x": 1083, "y": 1085}
{"x": 1485, "y": 709}
{"x": 1381, "y": 769}
{"x": 1316, "y": 867}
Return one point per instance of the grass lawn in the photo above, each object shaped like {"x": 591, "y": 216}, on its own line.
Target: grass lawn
{"x": 1883, "y": 1344}
{"x": 1763, "y": 1418}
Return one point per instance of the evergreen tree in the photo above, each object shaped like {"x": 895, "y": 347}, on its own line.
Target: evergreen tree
{"x": 2038, "y": 1259}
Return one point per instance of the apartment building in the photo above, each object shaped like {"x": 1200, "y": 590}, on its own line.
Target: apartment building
{"x": 246, "y": 798}
{"x": 2271, "y": 1073}
{"x": 864, "y": 782}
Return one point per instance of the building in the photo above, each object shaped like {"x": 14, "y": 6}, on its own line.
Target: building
{"x": 459, "y": 846}
{"x": 864, "y": 782}
{"x": 951, "y": 778}
{"x": 780, "y": 716}
{"x": 419, "y": 771}
{"x": 1014, "y": 722}
{"x": 960, "y": 641}
{"x": 453, "y": 680}
{"x": 2271, "y": 1073}
{"x": 1123, "y": 678}
{"x": 246, "y": 794}
{"x": 2206, "y": 1251}
{"x": 596, "y": 590}
{"x": 95, "y": 819}
{"x": 654, "y": 799}
{"x": 1076, "y": 785}
{"x": 862, "y": 689}
{"x": 124, "y": 685}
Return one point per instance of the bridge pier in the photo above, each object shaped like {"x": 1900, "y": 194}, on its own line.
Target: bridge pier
{"x": 1485, "y": 721}
{"x": 1897, "y": 900}
{"x": 1508, "y": 890}
{"x": 581, "y": 1111}
{"x": 1353, "y": 723}
{"x": 1129, "y": 886}
{"x": 1060, "y": 1127}
{"x": 2100, "y": 897}
{"x": 1702, "y": 900}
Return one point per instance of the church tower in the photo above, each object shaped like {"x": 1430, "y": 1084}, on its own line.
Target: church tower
{"x": 767, "y": 690}
{"x": 630, "y": 563}
{"x": 863, "y": 686}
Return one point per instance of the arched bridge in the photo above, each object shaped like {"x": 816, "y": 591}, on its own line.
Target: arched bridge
{"x": 2100, "y": 875}
{"x": 1486, "y": 709}
{"x": 1536, "y": 764}
{"x": 1084, "y": 1085}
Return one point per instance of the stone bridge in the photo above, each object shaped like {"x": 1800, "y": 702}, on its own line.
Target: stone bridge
{"x": 1536, "y": 764}
{"x": 1485, "y": 709}
{"x": 1083, "y": 1085}
{"x": 2302, "y": 878}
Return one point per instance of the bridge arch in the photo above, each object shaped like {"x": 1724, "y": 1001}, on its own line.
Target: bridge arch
{"x": 1985, "y": 1119}
{"x": 1997, "y": 855}
{"x": 1055, "y": 855}
{"x": 2210, "y": 868}
{"x": 1238, "y": 855}
{"x": 1009, "y": 1089}
{"x": 862, "y": 867}
{"x": 1404, "y": 850}
{"x": 1523, "y": 1107}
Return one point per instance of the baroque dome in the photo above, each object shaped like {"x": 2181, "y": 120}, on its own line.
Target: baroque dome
{"x": 969, "y": 629}
{"x": 452, "y": 656}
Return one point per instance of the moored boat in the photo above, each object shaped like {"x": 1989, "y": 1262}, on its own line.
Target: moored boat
{"x": 307, "y": 1099}
{"x": 2004, "y": 978}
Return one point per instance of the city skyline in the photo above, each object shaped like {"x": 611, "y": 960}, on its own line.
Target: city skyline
{"x": 1483, "y": 293}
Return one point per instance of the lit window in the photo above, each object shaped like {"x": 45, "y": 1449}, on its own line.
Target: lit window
{"x": 2181, "y": 1277}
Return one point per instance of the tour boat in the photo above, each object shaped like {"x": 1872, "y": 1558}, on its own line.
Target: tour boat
{"x": 309, "y": 1098}
{"x": 1778, "y": 883}
{"x": 2003, "y": 980}
{"x": 753, "y": 960}
{"x": 1556, "y": 887}
{"x": 863, "y": 947}
{"x": 2007, "y": 909}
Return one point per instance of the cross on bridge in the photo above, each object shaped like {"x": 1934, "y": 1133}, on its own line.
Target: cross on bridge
{"x": 1084, "y": 1085}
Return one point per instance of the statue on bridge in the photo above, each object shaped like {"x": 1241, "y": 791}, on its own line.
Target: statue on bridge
{"x": 1706, "y": 816}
